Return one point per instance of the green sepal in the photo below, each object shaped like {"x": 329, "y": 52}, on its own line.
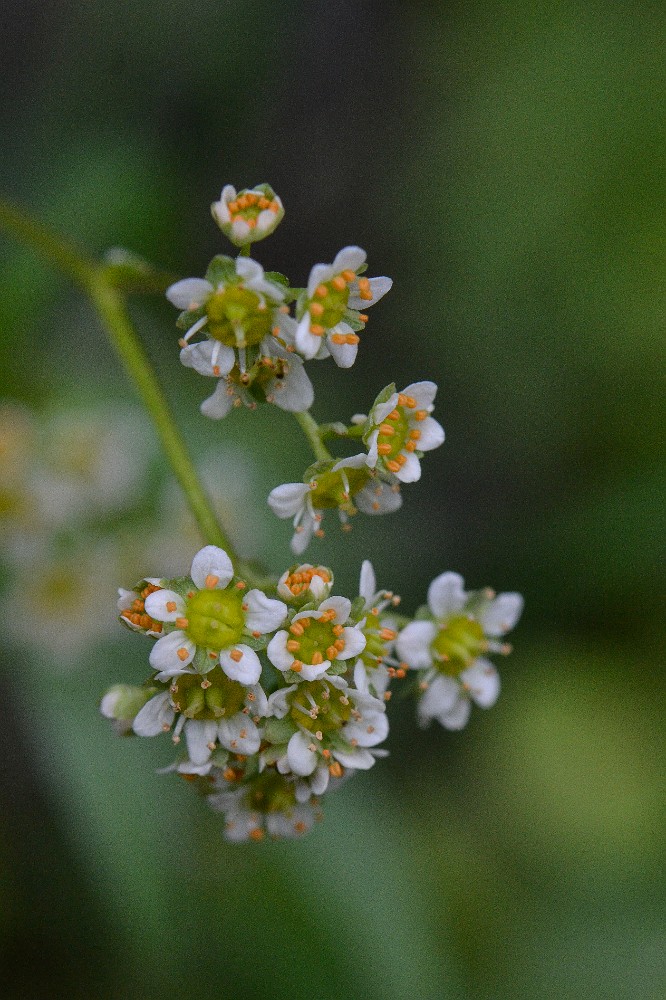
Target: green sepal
{"x": 423, "y": 614}
{"x": 350, "y": 316}
{"x": 317, "y": 469}
{"x": 337, "y": 668}
{"x": 278, "y": 279}
{"x": 279, "y": 730}
{"x": 271, "y": 755}
{"x": 358, "y": 608}
{"x": 301, "y": 302}
{"x": 222, "y": 269}
{"x": 220, "y": 757}
{"x": 257, "y": 643}
{"x": 180, "y": 585}
{"x": 362, "y": 269}
{"x": 189, "y": 317}
{"x": 385, "y": 394}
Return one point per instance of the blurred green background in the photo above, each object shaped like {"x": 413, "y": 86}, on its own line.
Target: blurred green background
{"x": 504, "y": 163}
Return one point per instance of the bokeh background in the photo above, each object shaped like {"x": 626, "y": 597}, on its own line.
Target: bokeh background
{"x": 504, "y": 163}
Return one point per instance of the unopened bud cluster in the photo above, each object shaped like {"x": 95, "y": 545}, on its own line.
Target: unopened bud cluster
{"x": 277, "y": 692}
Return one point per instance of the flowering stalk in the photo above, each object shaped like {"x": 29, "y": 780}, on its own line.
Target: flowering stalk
{"x": 98, "y": 282}
{"x": 312, "y": 431}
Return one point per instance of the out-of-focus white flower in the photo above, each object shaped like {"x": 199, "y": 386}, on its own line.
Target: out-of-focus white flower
{"x": 448, "y": 647}
{"x": 249, "y": 215}
{"x": 329, "y": 313}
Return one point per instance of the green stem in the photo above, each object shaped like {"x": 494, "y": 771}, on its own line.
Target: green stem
{"x": 110, "y": 304}
{"x": 310, "y": 428}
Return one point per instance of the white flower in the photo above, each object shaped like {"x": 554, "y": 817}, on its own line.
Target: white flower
{"x": 209, "y": 621}
{"x": 316, "y": 639}
{"x": 333, "y": 726}
{"x": 209, "y": 710}
{"x": 267, "y": 804}
{"x": 331, "y": 484}
{"x": 448, "y": 647}
{"x": 305, "y": 583}
{"x": 334, "y": 294}
{"x": 400, "y": 426}
{"x": 249, "y": 215}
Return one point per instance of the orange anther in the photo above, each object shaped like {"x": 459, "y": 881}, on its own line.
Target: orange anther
{"x": 236, "y": 655}
{"x": 363, "y": 317}
{"x": 331, "y": 653}
{"x": 181, "y": 623}
{"x": 401, "y": 459}
{"x": 264, "y": 203}
{"x": 241, "y": 585}
{"x": 338, "y": 338}
{"x": 316, "y": 309}
{"x": 335, "y": 769}
{"x": 321, "y": 291}
{"x": 182, "y": 653}
{"x": 251, "y": 223}
{"x": 375, "y": 505}
{"x": 387, "y": 430}
{"x": 415, "y": 434}
{"x": 339, "y": 644}
{"x": 387, "y": 634}
{"x": 212, "y": 656}
{"x": 410, "y": 446}
{"x": 293, "y": 645}
{"x": 257, "y": 834}
{"x": 274, "y": 207}
{"x": 296, "y": 628}
{"x": 352, "y": 338}
{"x": 406, "y": 401}
{"x": 317, "y": 658}
{"x": 328, "y": 616}
{"x": 339, "y": 283}
{"x": 349, "y": 275}
{"x": 211, "y": 581}
{"x": 317, "y": 329}
{"x": 319, "y": 533}
{"x": 393, "y": 415}
{"x": 421, "y": 414}
{"x": 305, "y": 622}
{"x": 233, "y": 206}
{"x": 384, "y": 449}
{"x": 229, "y": 774}
{"x": 297, "y": 666}
{"x": 393, "y": 466}
{"x": 171, "y": 606}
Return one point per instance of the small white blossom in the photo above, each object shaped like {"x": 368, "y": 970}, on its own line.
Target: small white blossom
{"x": 316, "y": 639}
{"x": 447, "y": 647}
{"x": 376, "y": 665}
{"x": 401, "y": 426}
{"x": 209, "y": 620}
{"x": 305, "y": 583}
{"x": 247, "y": 216}
{"x": 330, "y": 309}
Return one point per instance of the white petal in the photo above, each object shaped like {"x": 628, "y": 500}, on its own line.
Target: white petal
{"x": 190, "y": 293}
{"x": 423, "y": 394}
{"x": 294, "y": 393}
{"x": 352, "y": 462}
{"x": 307, "y": 343}
{"x": 301, "y": 759}
{"x": 501, "y": 614}
{"x": 206, "y": 356}
{"x": 458, "y": 716}
{"x": 354, "y": 643}
{"x": 247, "y": 670}
{"x": 378, "y": 289}
{"x": 209, "y": 562}
{"x": 377, "y": 498}
{"x": 482, "y": 682}
{"x": 372, "y": 729}
{"x": 319, "y": 780}
{"x": 164, "y": 654}
{"x": 349, "y": 259}
{"x": 288, "y": 499}
{"x": 239, "y": 734}
{"x": 373, "y": 454}
{"x": 446, "y": 595}
{"x": 314, "y": 671}
{"x": 356, "y": 759}
{"x": 154, "y": 716}
{"x": 341, "y": 606}
{"x": 301, "y": 538}
{"x": 380, "y": 411}
{"x": 264, "y": 614}
{"x": 368, "y": 583}
{"x": 160, "y": 605}
{"x": 439, "y": 697}
{"x": 413, "y": 644}
{"x": 278, "y": 703}
{"x": 344, "y": 355}
{"x": 278, "y": 653}
{"x": 319, "y": 274}
{"x": 432, "y": 434}
{"x": 240, "y": 230}
{"x": 198, "y": 735}
{"x": 410, "y": 470}
{"x": 219, "y": 404}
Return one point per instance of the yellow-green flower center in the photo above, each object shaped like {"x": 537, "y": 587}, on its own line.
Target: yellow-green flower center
{"x": 237, "y": 317}
{"x": 313, "y": 640}
{"x": 271, "y": 792}
{"x": 319, "y": 707}
{"x": 215, "y": 618}
{"x": 328, "y": 305}
{"x": 457, "y": 645}
{"x": 214, "y": 696}
{"x": 331, "y": 491}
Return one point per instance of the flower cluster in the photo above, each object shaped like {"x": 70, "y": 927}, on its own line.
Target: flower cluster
{"x": 278, "y": 686}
